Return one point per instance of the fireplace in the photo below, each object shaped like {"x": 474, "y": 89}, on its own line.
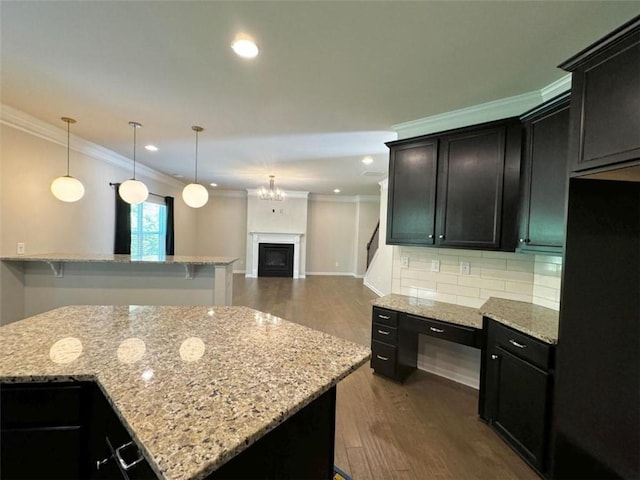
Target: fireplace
{"x": 275, "y": 260}
{"x": 259, "y": 238}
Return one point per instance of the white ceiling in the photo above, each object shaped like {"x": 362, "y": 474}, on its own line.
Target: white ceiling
{"x": 330, "y": 81}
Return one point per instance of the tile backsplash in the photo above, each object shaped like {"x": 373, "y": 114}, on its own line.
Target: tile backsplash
{"x": 516, "y": 276}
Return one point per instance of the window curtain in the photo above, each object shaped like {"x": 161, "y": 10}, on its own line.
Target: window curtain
{"x": 170, "y": 237}
{"x": 122, "y": 241}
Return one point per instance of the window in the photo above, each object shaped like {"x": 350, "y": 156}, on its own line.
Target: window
{"x": 148, "y": 230}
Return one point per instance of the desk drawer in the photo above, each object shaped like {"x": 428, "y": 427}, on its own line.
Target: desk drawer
{"x": 383, "y": 358}
{"x": 446, "y": 331}
{"x": 520, "y": 344}
{"x": 385, "y": 317}
{"x": 384, "y": 333}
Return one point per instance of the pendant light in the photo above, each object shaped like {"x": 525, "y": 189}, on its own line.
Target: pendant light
{"x": 133, "y": 191}
{"x": 67, "y": 188}
{"x": 194, "y": 194}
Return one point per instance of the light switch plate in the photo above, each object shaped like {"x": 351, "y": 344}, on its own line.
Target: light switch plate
{"x": 404, "y": 261}
{"x": 20, "y": 248}
{"x": 435, "y": 265}
{"x": 464, "y": 268}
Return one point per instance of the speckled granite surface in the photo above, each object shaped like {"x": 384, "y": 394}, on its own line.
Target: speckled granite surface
{"x": 447, "y": 312}
{"x": 539, "y": 322}
{"x": 194, "y": 385}
{"x": 109, "y": 258}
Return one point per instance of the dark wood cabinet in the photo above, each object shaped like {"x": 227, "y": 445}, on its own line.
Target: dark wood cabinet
{"x": 544, "y": 177}
{"x": 412, "y": 193}
{"x": 605, "y": 104}
{"x": 393, "y": 352}
{"x": 516, "y": 391}
{"x": 457, "y": 188}
{"x": 60, "y": 430}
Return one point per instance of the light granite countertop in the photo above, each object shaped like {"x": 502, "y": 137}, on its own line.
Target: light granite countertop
{"x": 446, "y": 312}
{"x": 113, "y": 258}
{"x": 193, "y": 385}
{"x": 535, "y": 320}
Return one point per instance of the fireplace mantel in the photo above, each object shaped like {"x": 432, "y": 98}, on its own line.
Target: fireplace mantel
{"x": 274, "y": 237}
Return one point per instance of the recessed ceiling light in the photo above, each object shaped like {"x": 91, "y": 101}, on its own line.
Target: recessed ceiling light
{"x": 336, "y": 190}
{"x": 213, "y": 184}
{"x": 367, "y": 160}
{"x": 151, "y": 148}
{"x": 245, "y": 48}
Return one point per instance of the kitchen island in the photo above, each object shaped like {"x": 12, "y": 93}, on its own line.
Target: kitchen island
{"x": 33, "y": 284}
{"x": 194, "y": 386}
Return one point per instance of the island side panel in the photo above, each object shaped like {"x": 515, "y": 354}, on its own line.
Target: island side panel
{"x": 11, "y": 292}
{"x": 223, "y": 284}
{"x": 102, "y": 283}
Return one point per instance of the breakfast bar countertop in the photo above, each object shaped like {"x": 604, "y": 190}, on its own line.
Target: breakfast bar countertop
{"x": 119, "y": 258}
{"x": 193, "y": 385}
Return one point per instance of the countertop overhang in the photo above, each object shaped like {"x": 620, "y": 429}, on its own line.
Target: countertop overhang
{"x": 193, "y": 385}
{"x": 116, "y": 258}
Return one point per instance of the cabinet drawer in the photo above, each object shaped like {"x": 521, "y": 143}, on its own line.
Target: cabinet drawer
{"x": 40, "y": 405}
{"x": 385, "y": 317}
{"x": 522, "y": 345}
{"x": 384, "y": 333}
{"x": 444, "y": 330}
{"x": 383, "y": 358}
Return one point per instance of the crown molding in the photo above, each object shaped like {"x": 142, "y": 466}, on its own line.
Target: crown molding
{"x": 254, "y": 192}
{"x": 556, "y": 88}
{"x": 344, "y": 198}
{"x": 384, "y": 184}
{"x": 484, "y": 112}
{"x": 24, "y": 122}
{"x": 226, "y": 193}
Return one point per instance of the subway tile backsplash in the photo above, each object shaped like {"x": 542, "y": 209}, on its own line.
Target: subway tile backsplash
{"x": 516, "y": 276}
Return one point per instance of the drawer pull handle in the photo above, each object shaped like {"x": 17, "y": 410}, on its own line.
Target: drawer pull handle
{"x": 380, "y": 357}
{"x": 386, "y": 317}
{"x": 127, "y": 466}
{"x": 382, "y": 332}
{"x": 494, "y": 357}
{"x": 516, "y": 344}
{"x": 437, "y": 330}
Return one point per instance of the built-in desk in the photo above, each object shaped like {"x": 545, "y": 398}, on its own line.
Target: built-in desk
{"x": 33, "y": 284}
{"x": 398, "y": 320}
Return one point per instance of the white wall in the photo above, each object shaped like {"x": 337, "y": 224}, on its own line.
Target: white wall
{"x": 367, "y": 216}
{"x": 222, "y": 227}
{"x": 379, "y": 275}
{"x": 31, "y": 214}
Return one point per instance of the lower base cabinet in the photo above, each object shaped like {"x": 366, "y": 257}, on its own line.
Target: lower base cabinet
{"x": 516, "y": 391}
{"x": 64, "y": 431}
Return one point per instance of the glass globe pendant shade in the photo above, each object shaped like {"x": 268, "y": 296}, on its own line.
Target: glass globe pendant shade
{"x": 67, "y": 189}
{"x": 133, "y": 191}
{"x": 195, "y": 195}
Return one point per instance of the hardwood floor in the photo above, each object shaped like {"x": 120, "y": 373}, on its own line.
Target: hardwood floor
{"x": 426, "y": 428}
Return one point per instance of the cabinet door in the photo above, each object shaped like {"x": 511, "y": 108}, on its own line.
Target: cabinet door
{"x": 544, "y": 182}
{"x": 606, "y": 107}
{"x": 520, "y": 405}
{"x": 470, "y": 189}
{"x": 412, "y": 193}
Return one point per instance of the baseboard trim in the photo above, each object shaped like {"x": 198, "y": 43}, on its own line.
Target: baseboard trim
{"x": 373, "y": 289}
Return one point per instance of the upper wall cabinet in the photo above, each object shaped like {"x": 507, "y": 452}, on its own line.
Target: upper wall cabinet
{"x": 456, "y": 189}
{"x": 605, "y": 104}
{"x": 544, "y": 177}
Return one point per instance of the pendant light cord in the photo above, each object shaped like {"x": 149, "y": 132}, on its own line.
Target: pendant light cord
{"x": 134, "y": 151}
{"x": 68, "y": 147}
{"x": 196, "y": 174}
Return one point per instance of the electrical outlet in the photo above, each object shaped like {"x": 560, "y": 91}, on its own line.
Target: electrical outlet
{"x": 435, "y": 265}
{"x": 20, "y": 248}
{"x": 404, "y": 261}
{"x": 464, "y": 268}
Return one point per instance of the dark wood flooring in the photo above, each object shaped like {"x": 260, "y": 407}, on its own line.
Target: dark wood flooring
{"x": 426, "y": 428}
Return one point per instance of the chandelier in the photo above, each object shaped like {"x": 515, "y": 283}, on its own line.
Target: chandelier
{"x": 271, "y": 193}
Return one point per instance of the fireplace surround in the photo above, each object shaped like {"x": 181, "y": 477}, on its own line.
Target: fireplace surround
{"x": 274, "y": 238}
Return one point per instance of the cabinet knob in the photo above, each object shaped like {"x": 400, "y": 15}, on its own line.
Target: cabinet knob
{"x": 522, "y": 240}
{"x": 494, "y": 357}
{"x": 430, "y": 235}
{"x": 440, "y": 236}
